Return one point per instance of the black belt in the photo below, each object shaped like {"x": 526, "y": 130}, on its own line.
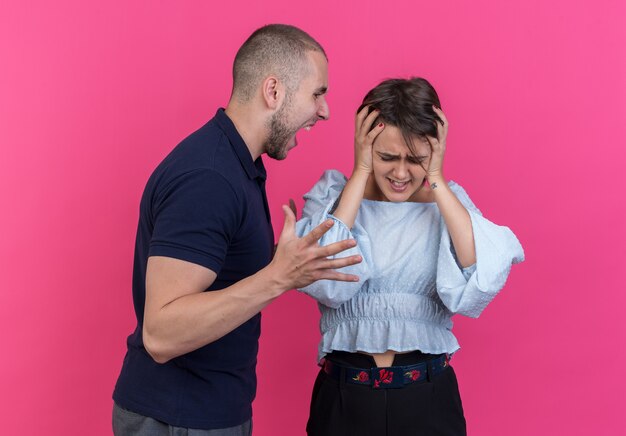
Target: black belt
{"x": 388, "y": 377}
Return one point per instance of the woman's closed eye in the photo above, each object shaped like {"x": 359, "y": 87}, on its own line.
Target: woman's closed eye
{"x": 388, "y": 158}
{"x": 415, "y": 160}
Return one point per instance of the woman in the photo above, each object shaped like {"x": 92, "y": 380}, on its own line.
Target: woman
{"x": 427, "y": 254}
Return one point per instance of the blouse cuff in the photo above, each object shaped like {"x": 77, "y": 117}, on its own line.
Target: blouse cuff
{"x": 469, "y": 290}
{"x": 468, "y": 271}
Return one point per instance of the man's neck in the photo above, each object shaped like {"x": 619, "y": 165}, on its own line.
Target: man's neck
{"x": 250, "y": 127}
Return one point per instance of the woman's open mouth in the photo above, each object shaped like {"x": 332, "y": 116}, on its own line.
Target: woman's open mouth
{"x": 398, "y": 186}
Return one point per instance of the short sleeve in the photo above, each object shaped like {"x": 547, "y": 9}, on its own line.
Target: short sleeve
{"x": 319, "y": 204}
{"x": 195, "y": 216}
{"x": 469, "y": 290}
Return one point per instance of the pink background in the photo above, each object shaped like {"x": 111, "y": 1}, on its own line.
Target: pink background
{"x": 94, "y": 94}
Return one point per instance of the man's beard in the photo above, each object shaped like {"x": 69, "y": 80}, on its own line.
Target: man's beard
{"x": 280, "y": 133}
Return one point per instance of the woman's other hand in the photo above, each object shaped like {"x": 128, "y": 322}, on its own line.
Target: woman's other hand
{"x": 438, "y": 147}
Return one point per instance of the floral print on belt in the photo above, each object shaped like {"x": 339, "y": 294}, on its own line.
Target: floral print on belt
{"x": 362, "y": 377}
{"x": 412, "y": 375}
{"x": 384, "y": 376}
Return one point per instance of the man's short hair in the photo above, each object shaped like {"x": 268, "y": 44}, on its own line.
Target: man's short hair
{"x": 277, "y": 49}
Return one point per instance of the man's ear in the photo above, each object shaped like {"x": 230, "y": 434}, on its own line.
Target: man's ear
{"x": 273, "y": 92}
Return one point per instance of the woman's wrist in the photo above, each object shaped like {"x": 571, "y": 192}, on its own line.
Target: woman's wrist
{"x": 360, "y": 172}
{"x": 436, "y": 179}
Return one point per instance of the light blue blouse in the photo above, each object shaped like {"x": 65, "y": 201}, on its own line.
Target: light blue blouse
{"x": 410, "y": 281}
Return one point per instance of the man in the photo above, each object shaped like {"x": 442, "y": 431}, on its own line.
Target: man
{"x": 204, "y": 225}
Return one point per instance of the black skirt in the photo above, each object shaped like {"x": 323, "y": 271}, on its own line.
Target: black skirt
{"x": 428, "y": 408}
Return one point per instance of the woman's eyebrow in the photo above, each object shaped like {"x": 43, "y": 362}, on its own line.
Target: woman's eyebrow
{"x": 385, "y": 154}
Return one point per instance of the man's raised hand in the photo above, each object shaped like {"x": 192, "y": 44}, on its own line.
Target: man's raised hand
{"x": 298, "y": 262}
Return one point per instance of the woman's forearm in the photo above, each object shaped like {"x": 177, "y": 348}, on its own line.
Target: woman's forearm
{"x": 457, "y": 221}
{"x": 351, "y": 197}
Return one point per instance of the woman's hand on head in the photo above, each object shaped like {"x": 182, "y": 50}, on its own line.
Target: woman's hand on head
{"x": 364, "y": 137}
{"x": 438, "y": 146}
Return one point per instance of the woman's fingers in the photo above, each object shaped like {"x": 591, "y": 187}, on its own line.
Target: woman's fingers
{"x": 442, "y": 128}
{"x": 441, "y": 114}
{"x": 358, "y": 120}
{"x": 364, "y": 121}
{"x": 367, "y": 124}
{"x": 371, "y": 136}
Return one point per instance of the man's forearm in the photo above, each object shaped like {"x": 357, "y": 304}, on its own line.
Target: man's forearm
{"x": 195, "y": 320}
{"x": 179, "y": 317}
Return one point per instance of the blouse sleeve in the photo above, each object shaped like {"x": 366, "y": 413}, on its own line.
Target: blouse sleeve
{"x": 319, "y": 205}
{"x": 469, "y": 290}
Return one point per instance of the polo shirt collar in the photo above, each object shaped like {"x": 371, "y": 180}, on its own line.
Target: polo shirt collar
{"x": 254, "y": 169}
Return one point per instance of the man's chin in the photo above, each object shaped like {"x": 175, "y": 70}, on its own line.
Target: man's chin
{"x": 278, "y": 154}
{"x": 282, "y": 153}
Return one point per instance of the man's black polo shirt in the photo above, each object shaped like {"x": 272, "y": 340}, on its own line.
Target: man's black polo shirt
{"x": 206, "y": 204}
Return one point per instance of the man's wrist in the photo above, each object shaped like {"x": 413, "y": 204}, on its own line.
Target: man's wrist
{"x": 270, "y": 280}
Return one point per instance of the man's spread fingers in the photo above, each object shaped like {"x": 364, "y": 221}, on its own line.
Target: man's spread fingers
{"x": 341, "y": 262}
{"x": 336, "y": 247}
{"x": 315, "y": 235}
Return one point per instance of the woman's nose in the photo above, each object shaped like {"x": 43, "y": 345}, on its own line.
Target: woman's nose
{"x": 401, "y": 170}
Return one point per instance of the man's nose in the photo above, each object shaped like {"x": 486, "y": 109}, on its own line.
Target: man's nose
{"x": 323, "y": 111}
